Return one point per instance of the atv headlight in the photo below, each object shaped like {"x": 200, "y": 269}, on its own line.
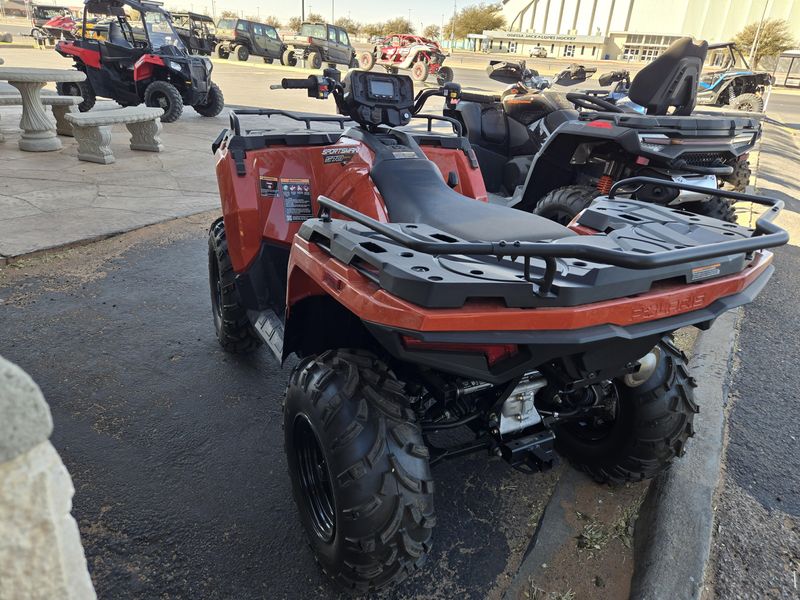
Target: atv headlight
{"x": 207, "y": 64}
{"x": 175, "y": 66}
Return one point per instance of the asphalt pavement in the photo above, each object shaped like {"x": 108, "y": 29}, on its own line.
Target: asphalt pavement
{"x": 176, "y": 448}
{"x": 757, "y": 544}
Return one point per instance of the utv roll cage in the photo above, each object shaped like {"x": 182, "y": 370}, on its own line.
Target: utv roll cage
{"x": 115, "y": 8}
{"x": 733, "y": 52}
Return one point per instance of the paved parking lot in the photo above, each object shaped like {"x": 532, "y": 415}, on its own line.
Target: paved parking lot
{"x": 176, "y": 448}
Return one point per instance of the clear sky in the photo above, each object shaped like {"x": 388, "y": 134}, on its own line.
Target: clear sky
{"x": 424, "y": 12}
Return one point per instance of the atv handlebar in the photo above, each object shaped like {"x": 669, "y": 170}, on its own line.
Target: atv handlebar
{"x": 480, "y": 98}
{"x": 288, "y": 83}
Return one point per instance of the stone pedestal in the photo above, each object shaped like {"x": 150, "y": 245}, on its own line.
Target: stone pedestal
{"x": 41, "y": 556}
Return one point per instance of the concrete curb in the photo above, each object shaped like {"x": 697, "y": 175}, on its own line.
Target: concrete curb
{"x": 675, "y": 524}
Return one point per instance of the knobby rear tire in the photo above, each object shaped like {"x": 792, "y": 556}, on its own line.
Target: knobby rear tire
{"x": 653, "y": 423}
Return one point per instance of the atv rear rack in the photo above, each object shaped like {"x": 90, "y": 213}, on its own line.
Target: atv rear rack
{"x": 270, "y": 112}
{"x": 765, "y": 235}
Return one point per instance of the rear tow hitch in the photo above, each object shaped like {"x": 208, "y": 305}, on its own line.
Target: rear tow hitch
{"x": 535, "y": 451}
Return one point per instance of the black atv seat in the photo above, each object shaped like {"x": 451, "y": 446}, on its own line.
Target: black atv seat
{"x": 415, "y": 192}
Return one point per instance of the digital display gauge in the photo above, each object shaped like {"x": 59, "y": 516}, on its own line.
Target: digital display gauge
{"x": 381, "y": 88}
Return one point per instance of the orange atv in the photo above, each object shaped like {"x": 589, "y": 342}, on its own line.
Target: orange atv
{"x": 415, "y": 307}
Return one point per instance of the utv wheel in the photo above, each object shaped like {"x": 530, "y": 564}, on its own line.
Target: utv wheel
{"x": 234, "y": 331}
{"x": 222, "y": 52}
{"x": 83, "y": 89}
{"x": 563, "y": 204}
{"x": 288, "y": 58}
{"x": 359, "y": 468}
{"x": 366, "y": 61}
{"x": 652, "y": 421}
{"x": 748, "y": 102}
{"x": 214, "y": 103}
{"x": 242, "y": 53}
{"x": 714, "y": 207}
{"x": 419, "y": 72}
{"x": 740, "y": 178}
{"x": 444, "y": 75}
{"x": 162, "y": 94}
{"x": 314, "y": 59}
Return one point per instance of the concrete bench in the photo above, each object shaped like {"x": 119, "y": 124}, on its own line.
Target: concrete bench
{"x": 92, "y": 131}
{"x": 61, "y": 105}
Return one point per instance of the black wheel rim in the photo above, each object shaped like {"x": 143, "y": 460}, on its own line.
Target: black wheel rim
{"x": 162, "y": 102}
{"x": 315, "y": 480}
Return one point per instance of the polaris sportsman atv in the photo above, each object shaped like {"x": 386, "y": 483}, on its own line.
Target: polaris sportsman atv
{"x": 142, "y": 60}
{"x": 411, "y": 315}
{"x": 539, "y": 154}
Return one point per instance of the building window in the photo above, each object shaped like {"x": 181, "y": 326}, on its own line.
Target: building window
{"x": 594, "y": 50}
{"x": 630, "y": 53}
{"x": 569, "y": 50}
{"x": 582, "y": 49}
{"x": 552, "y": 48}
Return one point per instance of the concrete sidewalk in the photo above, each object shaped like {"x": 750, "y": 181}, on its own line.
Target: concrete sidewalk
{"x": 51, "y": 199}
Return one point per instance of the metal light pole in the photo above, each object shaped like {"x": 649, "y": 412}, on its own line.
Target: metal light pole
{"x": 302, "y": 10}
{"x": 333, "y": 19}
{"x": 754, "y": 45}
{"x": 453, "y": 29}
{"x": 214, "y": 10}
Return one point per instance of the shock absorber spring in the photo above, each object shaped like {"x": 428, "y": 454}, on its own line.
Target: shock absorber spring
{"x": 604, "y": 184}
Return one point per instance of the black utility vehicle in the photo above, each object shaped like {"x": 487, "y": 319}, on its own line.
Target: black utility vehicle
{"x": 198, "y": 32}
{"x": 143, "y": 60}
{"x": 728, "y": 80}
{"x": 243, "y": 38}
{"x": 320, "y": 43}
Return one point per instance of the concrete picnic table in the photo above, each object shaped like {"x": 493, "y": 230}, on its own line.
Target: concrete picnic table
{"x": 38, "y": 133}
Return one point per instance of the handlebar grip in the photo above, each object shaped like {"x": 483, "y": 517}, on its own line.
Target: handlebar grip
{"x": 482, "y": 98}
{"x": 296, "y": 84}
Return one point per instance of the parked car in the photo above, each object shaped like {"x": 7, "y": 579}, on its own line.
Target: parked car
{"x": 41, "y": 14}
{"x": 538, "y": 52}
{"x": 320, "y": 43}
{"x": 422, "y": 56}
{"x": 198, "y": 32}
{"x": 242, "y": 38}
{"x": 727, "y": 80}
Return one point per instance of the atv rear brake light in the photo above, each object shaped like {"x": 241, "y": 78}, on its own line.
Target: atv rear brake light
{"x": 494, "y": 353}
{"x": 642, "y": 160}
{"x": 600, "y": 124}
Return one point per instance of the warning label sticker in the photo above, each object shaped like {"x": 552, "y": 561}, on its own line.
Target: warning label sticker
{"x": 296, "y": 199}
{"x": 269, "y": 186}
{"x": 705, "y": 272}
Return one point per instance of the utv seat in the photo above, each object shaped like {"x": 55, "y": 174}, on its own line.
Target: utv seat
{"x": 116, "y": 37}
{"x": 415, "y": 192}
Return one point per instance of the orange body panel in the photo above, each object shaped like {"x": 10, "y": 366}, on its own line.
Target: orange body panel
{"x": 370, "y": 303}
{"x": 250, "y": 216}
